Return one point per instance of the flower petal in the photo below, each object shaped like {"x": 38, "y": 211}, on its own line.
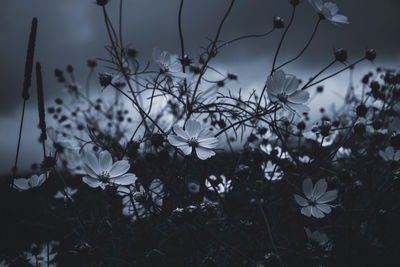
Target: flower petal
{"x": 208, "y": 142}
{"x": 317, "y": 213}
{"x": 126, "y": 179}
{"x": 306, "y": 211}
{"x": 327, "y": 197}
{"x": 177, "y": 140}
{"x": 180, "y": 132}
{"x": 119, "y": 168}
{"x": 300, "y": 108}
{"x": 299, "y": 97}
{"x": 105, "y": 161}
{"x": 193, "y": 128}
{"x": 204, "y": 153}
{"x": 92, "y": 162}
{"x": 301, "y": 200}
{"x": 307, "y": 187}
{"x": 324, "y": 208}
{"x": 92, "y": 182}
{"x": 340, "y": 19}
{"x": 186, "y": 149}
{"x": 320, "y": 188}
{"x": 21, "y": 184}
{"x": 291, "y": 84}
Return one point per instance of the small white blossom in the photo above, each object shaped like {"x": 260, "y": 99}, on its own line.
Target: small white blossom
{"x": 315, "y": 203}
{"x": 43, "y": 259}
{"x": 169, "y": 64}
{"x": 221, "y": 185}
{"x": 329, "y": 11}
{"x": 390, "y": 154}
{"x": 194, "y": 138}
{"x": 271, "y": 171}
{"x": 141, "y": 203}
{"x": 31, "y": 182}
{"x": 283, "y": 89}
{"x": 101, "y": 171}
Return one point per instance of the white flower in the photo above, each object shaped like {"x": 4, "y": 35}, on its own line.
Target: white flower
{"x": 43, "y": 259}
{"x": 102, "y": 172}
{"x": 169, "y": 64}
{"x": 142, "y": 203}
{"x": 194, "y": 138}
{"x": 283, "y": 89}
{"x": 69, "y": 191}
{"x": 317, "y": 237}
{"x": 31, "y": 182}
{"x": 329, "y": 11}
{"x": 271, "y": 171}
{"x": 390, "y": 154}
{"x": 317, "y": 198}
{"x": 220, "y": 185}
{"x": 3, "y": 263}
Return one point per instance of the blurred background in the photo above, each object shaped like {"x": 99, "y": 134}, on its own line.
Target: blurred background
{"x": 73, "y": 31}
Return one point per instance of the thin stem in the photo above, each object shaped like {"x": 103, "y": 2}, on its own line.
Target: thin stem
{"x": 181, "y": 34}
{"x": 246, "y": 37}
{"x": 14, "y": 171}
{"x": 304, "y": 49}
{"x": 336, "y": 73}
{"x": 281, "y": 41}
{"x": 120, "y": 24}
{"x": 210, "y": 55}
{"x": 318, "y": 74}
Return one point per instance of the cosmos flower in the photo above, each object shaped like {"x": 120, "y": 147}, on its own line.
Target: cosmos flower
{"x": 221, "y": 185}
{"x": 390, "y": 154}
{"x": 45, "y": 256}
{"x": 283, "y": 89}
{"x": 31, "y": 182}
{"x": 271, "y": 171}
{"x": 169, "y": 64}
{"x": 315, "y": 203}
{"x": 194, "y": 139}
{"x": 101, "y": 171}
{"x": 141, "y": 203}
{"x": 329, "y": 11}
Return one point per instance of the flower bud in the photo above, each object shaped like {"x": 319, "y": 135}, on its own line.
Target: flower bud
{"x": 362, "y": 110}
{"x": 370, "y": 54}
{"x": 91, "y": 63}
{"x": 278, "y": 22}
{"x": 105, "y": 79}
{"x": 294, "y": 2}
{"x": 340, "y": 55}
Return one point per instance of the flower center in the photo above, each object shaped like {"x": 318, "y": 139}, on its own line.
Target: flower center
{"x": 312, "y": 202}
{"x": 283, "y": 97}
{"x": 104, "y": 177}
{"x": 139, "y": 197}
{"x": 193, "y": 142}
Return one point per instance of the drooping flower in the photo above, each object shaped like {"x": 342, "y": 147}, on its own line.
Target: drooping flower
{"x": 390, "y": 154}
{"x": 283, "y": 89}
{"x": 315, "y": 203}
{"x": 140, "y": 203}
{"x": 31, "y": 182}
{"x": 329, "y": 11}
{"x": 194, "y": 139}
{"x": 67, "y": 190}
{"x": 101, "y": 171}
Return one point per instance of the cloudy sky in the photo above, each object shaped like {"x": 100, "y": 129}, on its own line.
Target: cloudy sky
{"x": 70, "y": 32}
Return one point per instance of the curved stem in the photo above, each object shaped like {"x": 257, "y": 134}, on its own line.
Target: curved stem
{"x": 181, "y": 34}
{"x": 304, "y": 49}
{"x": 246, "y": 37}
{"x": 281, "y": 41}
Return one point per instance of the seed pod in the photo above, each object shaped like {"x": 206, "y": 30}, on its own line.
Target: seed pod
{"x": 40, "y": 95}
{"x": 29, "y": 60}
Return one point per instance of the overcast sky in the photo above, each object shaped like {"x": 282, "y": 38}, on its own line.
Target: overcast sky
{"x": 70, "y": 32}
